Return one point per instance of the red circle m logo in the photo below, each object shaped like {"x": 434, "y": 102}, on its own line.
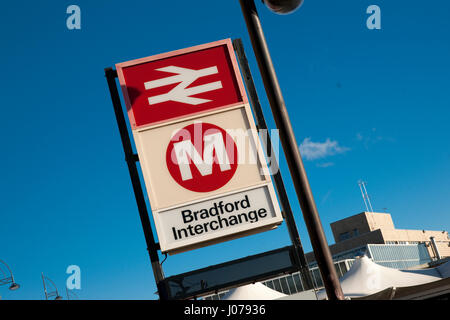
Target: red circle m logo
{"x": 202, "y": 157}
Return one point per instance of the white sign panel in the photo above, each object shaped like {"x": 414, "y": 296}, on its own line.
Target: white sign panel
{"x": 226, "y": 216}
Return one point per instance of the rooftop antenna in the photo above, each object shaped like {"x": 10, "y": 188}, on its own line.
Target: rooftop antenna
{"x": 365, "y": 195}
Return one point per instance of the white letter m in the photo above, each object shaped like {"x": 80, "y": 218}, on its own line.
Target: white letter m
{"x": 185, "y": 150}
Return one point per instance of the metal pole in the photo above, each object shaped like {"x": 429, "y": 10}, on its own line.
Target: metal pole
{"x": 45, "y": 288}
{"x": 284, "y": 200}
{"x": 435, "y": 248}
{"x": 54, "y": 285}
{"x": 134, "y": 175}
{"x": 292, "y": 153}
{"x": 367, "y": 196}
{"x": 364, "y": 197}
{"x": 9, "y": 269}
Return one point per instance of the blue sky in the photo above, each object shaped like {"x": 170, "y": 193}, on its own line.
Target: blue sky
{"x": 371, "y": 104}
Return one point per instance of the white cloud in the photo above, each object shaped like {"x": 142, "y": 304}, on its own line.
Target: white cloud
{"x": 325, "y": 164}
{"x": 372, "y": 137}
{"x": 325, "y": 197}
{"x": 318, "y": 150}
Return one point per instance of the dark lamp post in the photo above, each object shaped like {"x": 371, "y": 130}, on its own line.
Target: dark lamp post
{"x": 50, "y": 294}
{"x": 290, "y": 147}
{"x": 8, "y": 279}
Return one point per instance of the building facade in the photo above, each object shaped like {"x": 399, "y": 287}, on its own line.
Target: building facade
{"x": 378, "y": 228}
{"x": 372, "y": 234}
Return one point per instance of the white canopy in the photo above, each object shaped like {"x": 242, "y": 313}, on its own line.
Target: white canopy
{"x": 257, "y": 291}
{"x": 365, "y": 277}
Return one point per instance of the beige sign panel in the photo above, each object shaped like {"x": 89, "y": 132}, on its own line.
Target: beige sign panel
{"x": 164, "y": 191}
{"x": 192, "y": 163}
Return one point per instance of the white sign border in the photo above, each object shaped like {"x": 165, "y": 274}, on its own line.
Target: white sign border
{"x": 219, "y": 236}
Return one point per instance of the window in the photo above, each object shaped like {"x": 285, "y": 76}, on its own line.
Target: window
{"x": 355, "y": 232}
{"x": 298, "y": 281}
{"x": 291, "y": 285}
{"x": 344, "y": 236}
{"x": 277, "y": 285}
{"x": 284, "y": 286}
{"x": 269, "y": 284}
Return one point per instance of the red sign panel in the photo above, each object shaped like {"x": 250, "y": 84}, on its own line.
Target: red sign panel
{"x": 181, "y": 83}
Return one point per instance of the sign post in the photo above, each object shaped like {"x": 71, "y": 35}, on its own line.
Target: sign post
{"x": 130, "y": 158}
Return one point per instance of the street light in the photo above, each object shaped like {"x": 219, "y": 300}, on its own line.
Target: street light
{"x": 50, "y": 294}
{"x": 14, "y": 286}
{"x": 5, "y": 279}
{"x": 291, "y": 150}
{"x": 283, "y": 6}
{"x": 71, "y": 294}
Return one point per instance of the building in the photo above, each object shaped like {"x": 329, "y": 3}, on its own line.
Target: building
{"x": 352, "y": 234}
{"x": 372, "y": 234}
{"x": 292, "y": 283}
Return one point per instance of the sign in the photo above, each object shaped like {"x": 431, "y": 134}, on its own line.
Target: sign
{"x": 205, "y": 163}
{"x": 224, "y": 217}
{"x": 163, "y": 174}
{"x": 180, "y": 83}
{"x": 201, "y": 158}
